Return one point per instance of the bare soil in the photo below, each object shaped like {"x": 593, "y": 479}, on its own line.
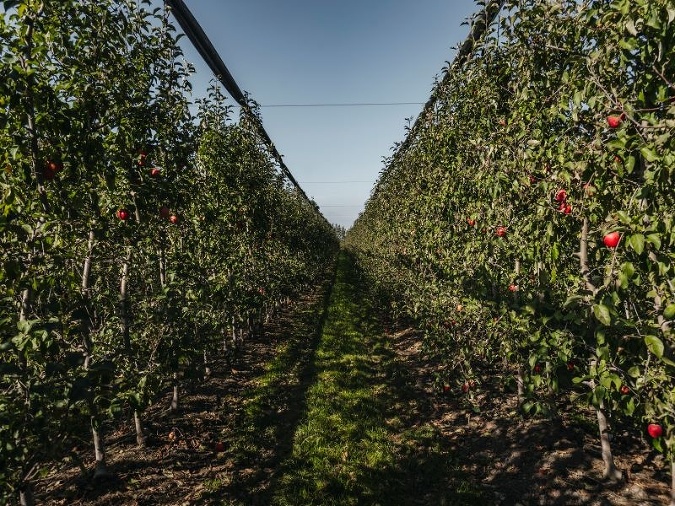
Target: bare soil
{"x": 511, "y": 459}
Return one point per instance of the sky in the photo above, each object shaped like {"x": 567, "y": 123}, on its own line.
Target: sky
{"x": 303, "y": 52}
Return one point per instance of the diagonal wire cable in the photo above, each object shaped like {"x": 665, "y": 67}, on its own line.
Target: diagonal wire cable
{"x": 207, "y": 51}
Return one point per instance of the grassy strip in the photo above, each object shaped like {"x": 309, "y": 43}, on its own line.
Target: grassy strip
{"x": 359, "y": 442}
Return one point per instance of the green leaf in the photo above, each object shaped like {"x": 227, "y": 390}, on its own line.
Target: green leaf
{"x": 654, "y": 239}
{"x": 669, "y": 312}
{"x": 637, "y": 242}
{"x": 634, "y": 372}
{"x": 630, "y": 26}
{"x": 602, "y": 313}
{"x": 648, "y": 154}
{"x": 655, "y": 345}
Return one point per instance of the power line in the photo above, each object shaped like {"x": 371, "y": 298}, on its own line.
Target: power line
{"x": 339, "y": 182}
{"x": 345, "y": 104}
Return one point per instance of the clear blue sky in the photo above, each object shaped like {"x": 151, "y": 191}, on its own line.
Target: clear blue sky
{"x": 337, "y": 51}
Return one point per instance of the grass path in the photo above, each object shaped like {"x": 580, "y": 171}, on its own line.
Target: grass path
{"x": 362, "y": 440}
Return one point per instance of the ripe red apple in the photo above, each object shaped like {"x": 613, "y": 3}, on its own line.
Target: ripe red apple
{"x": 537, "y": 368}
{"x": 614, "y": 121}
{"x": 173, "y": 219}
{"x": 501, "y": 231}
{"x": 54, "y": 166}
{"x": 612, "y": 239}
{"x": 123, "y": 214}
{"x": 220, "y": 447}
{"x": 570, "y": 366}
{"x": 561, "y": 196}
{"x": 446, "y": 388}
{"x": 624, "y": 390}
{"x": 155, "y": 172}
{"x": 654, "y": 430}
{"x": 471, "y": 222}
{"x": 533, "y": 179}
{"x": 164, "y": 212}
{"x": 502, "y": 122}
{"x": 465, "y": 387}
{"x": 513, "y": 288}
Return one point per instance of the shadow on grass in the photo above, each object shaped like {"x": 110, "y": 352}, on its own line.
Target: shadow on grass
{"x": 261, "y": 437}
{"x": 364, "y": 439}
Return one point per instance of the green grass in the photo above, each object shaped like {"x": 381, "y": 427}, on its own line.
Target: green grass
{"x": 355, "y": 445}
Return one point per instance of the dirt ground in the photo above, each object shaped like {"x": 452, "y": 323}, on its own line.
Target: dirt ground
{"x": 512, "y": 460}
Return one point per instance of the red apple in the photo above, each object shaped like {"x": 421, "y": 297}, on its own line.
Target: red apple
{"x": 654, "y": 430}
{"x": 123, "y": 214}
{"x": 54, "y": 166}
{"x": 220, "y": 447}
{"x": 624, "y": 390}
{"x": 537, "y": 368}
{"x": 611, "y": 240}
{"x": 446, "y": 388}
{"x": 570, "y": 366}
{"x": 533, "y": 179}
{"x": 465, "y": 387}
{"x": 155, "y": 172}
{"x": 568, "y": 209}
{"x": 173, "y": 219}
{"x": 501, "y": 231}
{"x": 471, "y": 222}
{"x": 513, "y": 288}
{"x": 614, "y": 121}
{"x": 502, "y": 122}
{"x": 561, "y": 196}
{"x": 164, "y": 212}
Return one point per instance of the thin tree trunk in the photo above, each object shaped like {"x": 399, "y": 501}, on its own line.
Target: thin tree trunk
{"x": 26, "y": 496}
{"x": 611, "y": 472}
{"x": 175, "y": 396}
{"x": 86, "y": 274}
{"x": 101, "y": 469}
{"x": 520, "y": 384}
{"x": 672, "y": 481}
{"x": 140, "y": 437}
{"x": 124, "y": 303}
{"x": 162, "y": 265}
{"x": 207, "y": 369}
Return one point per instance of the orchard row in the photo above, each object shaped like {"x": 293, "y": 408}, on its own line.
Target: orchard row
{"x": 141, "y": 235}
{"x": 530, "y": 221}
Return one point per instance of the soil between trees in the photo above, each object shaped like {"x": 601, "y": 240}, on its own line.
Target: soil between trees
{"x": 327, "y": 408}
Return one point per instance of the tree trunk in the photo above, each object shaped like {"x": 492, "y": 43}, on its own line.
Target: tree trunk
{"x": 611, "y": 472}
{"x": 207, "y": 369}
{"x": 124, "y": 303}
{"x": 520, "y": 384}
{"x": 140, "y": 437}
{"x": 86, "y": 274}
{"x": 175, "y": 397}
{"x": 101, "y": 470}
{"x": 672, "y": 481}
{"x": 26, "y": 496}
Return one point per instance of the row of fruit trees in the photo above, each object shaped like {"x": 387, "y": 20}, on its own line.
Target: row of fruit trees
{"x": 530, "y": 219}
{"x": 140, "y": 234}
